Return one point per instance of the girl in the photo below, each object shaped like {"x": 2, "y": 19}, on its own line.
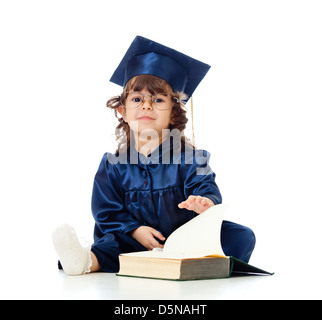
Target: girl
{"x": 156, "y": 181}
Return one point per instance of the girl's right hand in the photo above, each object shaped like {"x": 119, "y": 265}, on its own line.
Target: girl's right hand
{"x": 146, "y": 236}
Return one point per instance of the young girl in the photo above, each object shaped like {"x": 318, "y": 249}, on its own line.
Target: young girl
{"x": 156, "y": 181}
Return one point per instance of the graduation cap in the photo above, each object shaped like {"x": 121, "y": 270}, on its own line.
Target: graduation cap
{"x": 145, "y": 56}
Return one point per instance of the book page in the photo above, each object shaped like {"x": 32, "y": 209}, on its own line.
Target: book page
{"x": 160, "y": 253}
{"x": 197, "y": 238}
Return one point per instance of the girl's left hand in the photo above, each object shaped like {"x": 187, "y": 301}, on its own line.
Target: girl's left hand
{"x": 197, "y": 204}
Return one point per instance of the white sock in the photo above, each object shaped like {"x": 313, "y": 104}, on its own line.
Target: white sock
{"x": 74, "y": 258}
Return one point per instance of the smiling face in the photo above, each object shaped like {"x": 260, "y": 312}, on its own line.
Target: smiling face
{"x": 147, "y": 110}
{"x": 147, "y": 117}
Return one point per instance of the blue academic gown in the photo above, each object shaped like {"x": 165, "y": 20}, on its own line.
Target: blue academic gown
{"x": 131, "y": 191}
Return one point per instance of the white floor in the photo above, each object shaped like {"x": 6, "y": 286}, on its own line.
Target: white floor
{"x": 28, "y": 268}
{"x": 45, "y": 282}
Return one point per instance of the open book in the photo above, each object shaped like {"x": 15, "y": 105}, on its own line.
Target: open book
{"x": 193, "y": 251}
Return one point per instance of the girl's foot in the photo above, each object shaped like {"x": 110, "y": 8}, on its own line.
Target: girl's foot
{"x": 74, "y": 258}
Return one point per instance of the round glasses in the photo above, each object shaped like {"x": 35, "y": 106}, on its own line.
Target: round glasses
{"x": 137, "y": 99}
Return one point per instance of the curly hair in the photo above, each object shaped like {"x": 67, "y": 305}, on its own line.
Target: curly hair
{"x": 154, "y": 85}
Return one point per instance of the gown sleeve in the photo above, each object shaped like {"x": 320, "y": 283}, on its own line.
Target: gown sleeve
{"x": 198, "y": 178}
{"x": 108, "y": 206}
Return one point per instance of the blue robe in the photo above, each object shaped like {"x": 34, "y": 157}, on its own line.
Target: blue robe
{"x": 131, "y": 191}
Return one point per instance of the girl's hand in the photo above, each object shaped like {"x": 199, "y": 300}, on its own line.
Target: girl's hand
{"x": 197, "y": 204}
{"x": 146, "y": 236}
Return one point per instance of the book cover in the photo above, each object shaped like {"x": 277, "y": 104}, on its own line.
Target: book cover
{"x": 193, "y": 251}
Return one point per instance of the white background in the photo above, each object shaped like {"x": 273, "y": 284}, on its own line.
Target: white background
{"x": 257, "y": 112}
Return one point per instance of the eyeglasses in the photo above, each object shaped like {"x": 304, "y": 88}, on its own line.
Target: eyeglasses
{"x": 137, "y": 99}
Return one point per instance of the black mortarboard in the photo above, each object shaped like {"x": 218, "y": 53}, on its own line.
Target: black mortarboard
{"x": 145, "y": 56}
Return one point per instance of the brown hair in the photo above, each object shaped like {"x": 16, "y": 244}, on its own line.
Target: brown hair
{"x": 154, "y": 85}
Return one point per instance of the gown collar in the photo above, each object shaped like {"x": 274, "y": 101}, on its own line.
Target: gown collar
{"x": 160, "y": 155}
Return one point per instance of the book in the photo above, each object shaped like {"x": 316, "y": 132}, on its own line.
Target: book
{"x": 191, "y": 252}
